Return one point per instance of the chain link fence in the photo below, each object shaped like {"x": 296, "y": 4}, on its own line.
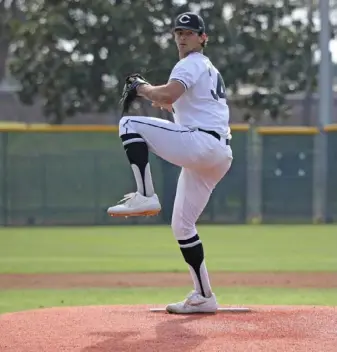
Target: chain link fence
{"x": 71, "y": 176}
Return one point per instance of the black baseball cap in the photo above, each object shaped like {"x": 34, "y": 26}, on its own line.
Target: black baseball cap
{"x": 191, "y": 21}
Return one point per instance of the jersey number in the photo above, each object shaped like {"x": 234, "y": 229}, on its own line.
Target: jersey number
{"x": 220, "y": 89}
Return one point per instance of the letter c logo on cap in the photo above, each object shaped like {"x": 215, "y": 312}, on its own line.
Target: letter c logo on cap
{"x": 184, "y": 19}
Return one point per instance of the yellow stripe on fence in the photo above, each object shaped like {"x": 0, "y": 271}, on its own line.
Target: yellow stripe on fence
{"x": 239, "y": 127}
{"x": 22, "y": 127}
{"x": 41, "y": 127}
{"x": 287, "y": 130}
{"x": 36, "y": 127}
{"x": 330, "y": 128}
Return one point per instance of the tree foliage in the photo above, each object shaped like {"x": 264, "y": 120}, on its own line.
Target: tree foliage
{"x": 9, "y": 12}
{"x": 74, "y": 54}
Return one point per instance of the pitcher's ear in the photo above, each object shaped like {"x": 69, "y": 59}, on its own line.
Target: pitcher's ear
{"x": 204, "y": 38}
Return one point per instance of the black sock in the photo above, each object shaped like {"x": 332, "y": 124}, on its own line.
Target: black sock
{"x": 138, "y": 154}
{"x": 193, "y": 252}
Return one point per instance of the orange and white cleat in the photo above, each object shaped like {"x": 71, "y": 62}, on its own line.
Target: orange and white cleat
{"x": 135, "y": 204}
{"x": 194, "y": 303}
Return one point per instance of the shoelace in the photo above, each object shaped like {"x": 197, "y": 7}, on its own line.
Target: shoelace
{"x": 127, "y": 197}
{"x": 190, "y": 297}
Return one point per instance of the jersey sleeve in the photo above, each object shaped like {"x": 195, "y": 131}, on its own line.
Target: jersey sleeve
{"x": 187, "y": 72}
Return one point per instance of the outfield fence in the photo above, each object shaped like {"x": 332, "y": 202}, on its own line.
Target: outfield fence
{"x": 69, "y": 175}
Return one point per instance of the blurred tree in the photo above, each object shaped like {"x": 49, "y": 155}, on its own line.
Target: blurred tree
{"x": 75, "y": 54}
{"x": 264, "y": 45}
{"x": 9, "y": 10}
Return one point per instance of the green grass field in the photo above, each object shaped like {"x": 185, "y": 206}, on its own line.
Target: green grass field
{"x": 14, "y": 300}
{"x": 153, "y": 248}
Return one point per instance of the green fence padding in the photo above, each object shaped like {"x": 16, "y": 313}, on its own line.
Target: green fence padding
{"x": 70, "y": 178}
{"x": 287, "y": 178}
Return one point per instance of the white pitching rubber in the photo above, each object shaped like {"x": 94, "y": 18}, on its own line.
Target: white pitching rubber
{"x": 220, "y": 310}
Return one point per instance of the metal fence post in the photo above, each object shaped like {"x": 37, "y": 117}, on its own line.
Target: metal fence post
{"x": 325, "y": 111}
{"x": 4, "y": 185}
{"x": 97, "y": 189}
{"x": 44, "y": 189}
{"x": 254, "y": 176}
{"x": 320, "y": 177}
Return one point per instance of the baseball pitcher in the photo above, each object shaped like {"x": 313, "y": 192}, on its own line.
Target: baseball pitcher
{"x": 198, "y": 142}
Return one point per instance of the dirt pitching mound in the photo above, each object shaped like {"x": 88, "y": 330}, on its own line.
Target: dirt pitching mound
{"x": 135, "y": 328}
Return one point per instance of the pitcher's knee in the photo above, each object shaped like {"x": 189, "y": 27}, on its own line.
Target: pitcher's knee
{"x": 123, "y": 125}
{"x": 127, "y": 124}
{"x": 181, "y": 230}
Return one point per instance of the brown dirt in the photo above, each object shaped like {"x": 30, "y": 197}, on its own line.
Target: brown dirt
{"x": 135, "y": 329}
{"x": 55, "y": 281}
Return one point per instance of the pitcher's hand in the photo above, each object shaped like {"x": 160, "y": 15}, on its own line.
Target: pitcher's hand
{"x": 167, "y": 107}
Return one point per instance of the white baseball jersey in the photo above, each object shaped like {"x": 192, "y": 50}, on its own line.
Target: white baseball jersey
{"x": 204, "y": 103}
{"x": 204, "y": 160}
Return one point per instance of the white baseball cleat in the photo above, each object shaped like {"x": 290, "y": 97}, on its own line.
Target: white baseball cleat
{"x": 135, "y": 204}
{"x": 194, "y": 303}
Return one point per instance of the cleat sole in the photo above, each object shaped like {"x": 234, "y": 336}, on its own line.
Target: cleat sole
{"x": 140, "y": 213}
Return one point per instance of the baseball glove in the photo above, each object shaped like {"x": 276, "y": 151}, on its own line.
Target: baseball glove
{"x": 130, "y": 90}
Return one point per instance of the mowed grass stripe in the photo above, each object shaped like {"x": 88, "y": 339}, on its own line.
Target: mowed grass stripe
{"x": 12, "y": 300}
{"x": 153, "y": 248}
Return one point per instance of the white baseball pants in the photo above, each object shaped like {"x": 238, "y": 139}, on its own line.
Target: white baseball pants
{"x": 204, "y": 161}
